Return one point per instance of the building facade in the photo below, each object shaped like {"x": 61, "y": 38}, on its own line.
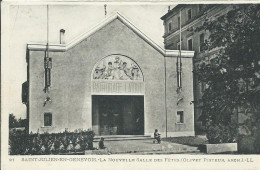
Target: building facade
{"x": 188, "y": 18}
{"x": 112, "y": 79}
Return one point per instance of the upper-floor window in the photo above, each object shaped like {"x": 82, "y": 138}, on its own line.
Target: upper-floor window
{"x": 169, "y": 27}
{"x": 190, "y": 45}
{"x": 189, "y": 14}
{"x": 202, "y": 40}
{"x": 179, "y": 22}
{"x": 200, "y": 7}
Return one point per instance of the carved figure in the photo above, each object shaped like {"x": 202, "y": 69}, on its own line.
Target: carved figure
{"x": 99, "y": 73}
{"x": 114, "y": 68}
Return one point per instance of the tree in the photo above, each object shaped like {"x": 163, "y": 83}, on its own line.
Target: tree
{"x": 233, "y": 75}
{"x": 14, "y": 122}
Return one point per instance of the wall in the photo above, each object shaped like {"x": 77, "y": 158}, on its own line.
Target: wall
{"x": 185, "y": 105}
{"x": 171, "y": 39}
{"x": 71, "y": 79}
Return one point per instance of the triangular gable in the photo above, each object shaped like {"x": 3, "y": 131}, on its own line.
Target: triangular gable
{"x": 103, "y": 23}
{"x": 108, "y": 20}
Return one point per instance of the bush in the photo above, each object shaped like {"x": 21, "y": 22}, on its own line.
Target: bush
{"x": 22, "y": 143}
{"x": 250, "y": 143}
{"x": 220, "y": 133}
{"x": 246, "y": 144}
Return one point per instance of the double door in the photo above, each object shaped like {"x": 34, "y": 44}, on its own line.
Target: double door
{"x": 119, "y": 115}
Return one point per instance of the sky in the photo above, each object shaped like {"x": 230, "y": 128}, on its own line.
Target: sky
{"x": 28, "y": 23}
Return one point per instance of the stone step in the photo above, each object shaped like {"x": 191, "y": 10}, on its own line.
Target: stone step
{"x": 123, "y": 137}
{"x": 142, "y": 152}
{"x": 168, "y": 152}
{"x": 156, "y": 151}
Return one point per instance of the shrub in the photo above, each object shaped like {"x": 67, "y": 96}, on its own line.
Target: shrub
{"x": 22, "y": 143}
{"x": 219, "y": 133}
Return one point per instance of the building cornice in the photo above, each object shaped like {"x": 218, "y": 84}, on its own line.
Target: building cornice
{"x": 171, "y": 12}
{"x": 176, "y": 53}
{"x": 211, "y": 13}
{"x": 43, "y": 47}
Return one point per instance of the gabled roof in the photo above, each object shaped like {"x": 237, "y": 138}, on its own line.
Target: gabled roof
{"x": 109, "y": 19}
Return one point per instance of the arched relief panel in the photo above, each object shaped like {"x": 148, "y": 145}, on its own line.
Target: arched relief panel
{"x": 117, "y": 75}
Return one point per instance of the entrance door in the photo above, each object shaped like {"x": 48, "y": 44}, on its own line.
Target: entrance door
{"x": 118, "y": 115}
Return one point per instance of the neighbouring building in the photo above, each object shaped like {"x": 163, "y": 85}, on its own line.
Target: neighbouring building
{"x": 189, "y": 17}
{"x": 112, "y": 79}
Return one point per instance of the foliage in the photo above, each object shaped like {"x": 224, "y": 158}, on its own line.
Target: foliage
{"x": 22, "y": 143}
{"x": 222, "y": 134}
{"x": 14, "y": 122}
{"x": 233, "y": 73}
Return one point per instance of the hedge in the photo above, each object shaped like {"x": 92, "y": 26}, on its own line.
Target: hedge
{"x": 22, "y": 143}
{"x": 220, "y": 133}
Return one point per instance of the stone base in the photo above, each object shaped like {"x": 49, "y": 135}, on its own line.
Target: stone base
{"x": 174, "y": 134}
{"x": 221, "y": 148}
{"x": 97, "y": 152}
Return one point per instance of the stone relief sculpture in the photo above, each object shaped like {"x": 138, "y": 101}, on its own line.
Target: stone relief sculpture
{"x": 117, "y": 68}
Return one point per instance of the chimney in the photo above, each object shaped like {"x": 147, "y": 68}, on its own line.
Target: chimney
{"x": 62, "y": 36}
{"x": 169, "y": 8}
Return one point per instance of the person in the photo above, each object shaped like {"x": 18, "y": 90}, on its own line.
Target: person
{"x": 110, "y": 71}
{"x": 124, "y": 72}
{"x": 157, "y": 136}
{"x": 117, "y": 65}
{"x": 135, "y": 72}
{"x": 101, "y": 143}
{"x": 99, "y": 72}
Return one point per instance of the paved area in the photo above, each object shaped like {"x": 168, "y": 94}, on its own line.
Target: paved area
{"x": 144, "y": 147}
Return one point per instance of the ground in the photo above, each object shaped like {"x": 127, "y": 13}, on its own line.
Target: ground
{"x": 189, "y": 140}
{"x": 146, "y": 146}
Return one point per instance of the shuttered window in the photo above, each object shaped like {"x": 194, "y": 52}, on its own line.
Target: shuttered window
{"x": 47, "y": 119}
{"x": 190, "y": 45}
{"x": 189, "y": 14}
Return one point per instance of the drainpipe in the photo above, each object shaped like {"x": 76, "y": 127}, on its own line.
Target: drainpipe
{"x": 165, "y": 97}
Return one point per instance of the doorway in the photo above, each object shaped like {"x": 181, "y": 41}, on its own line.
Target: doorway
{"x": 118, "y": 115}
